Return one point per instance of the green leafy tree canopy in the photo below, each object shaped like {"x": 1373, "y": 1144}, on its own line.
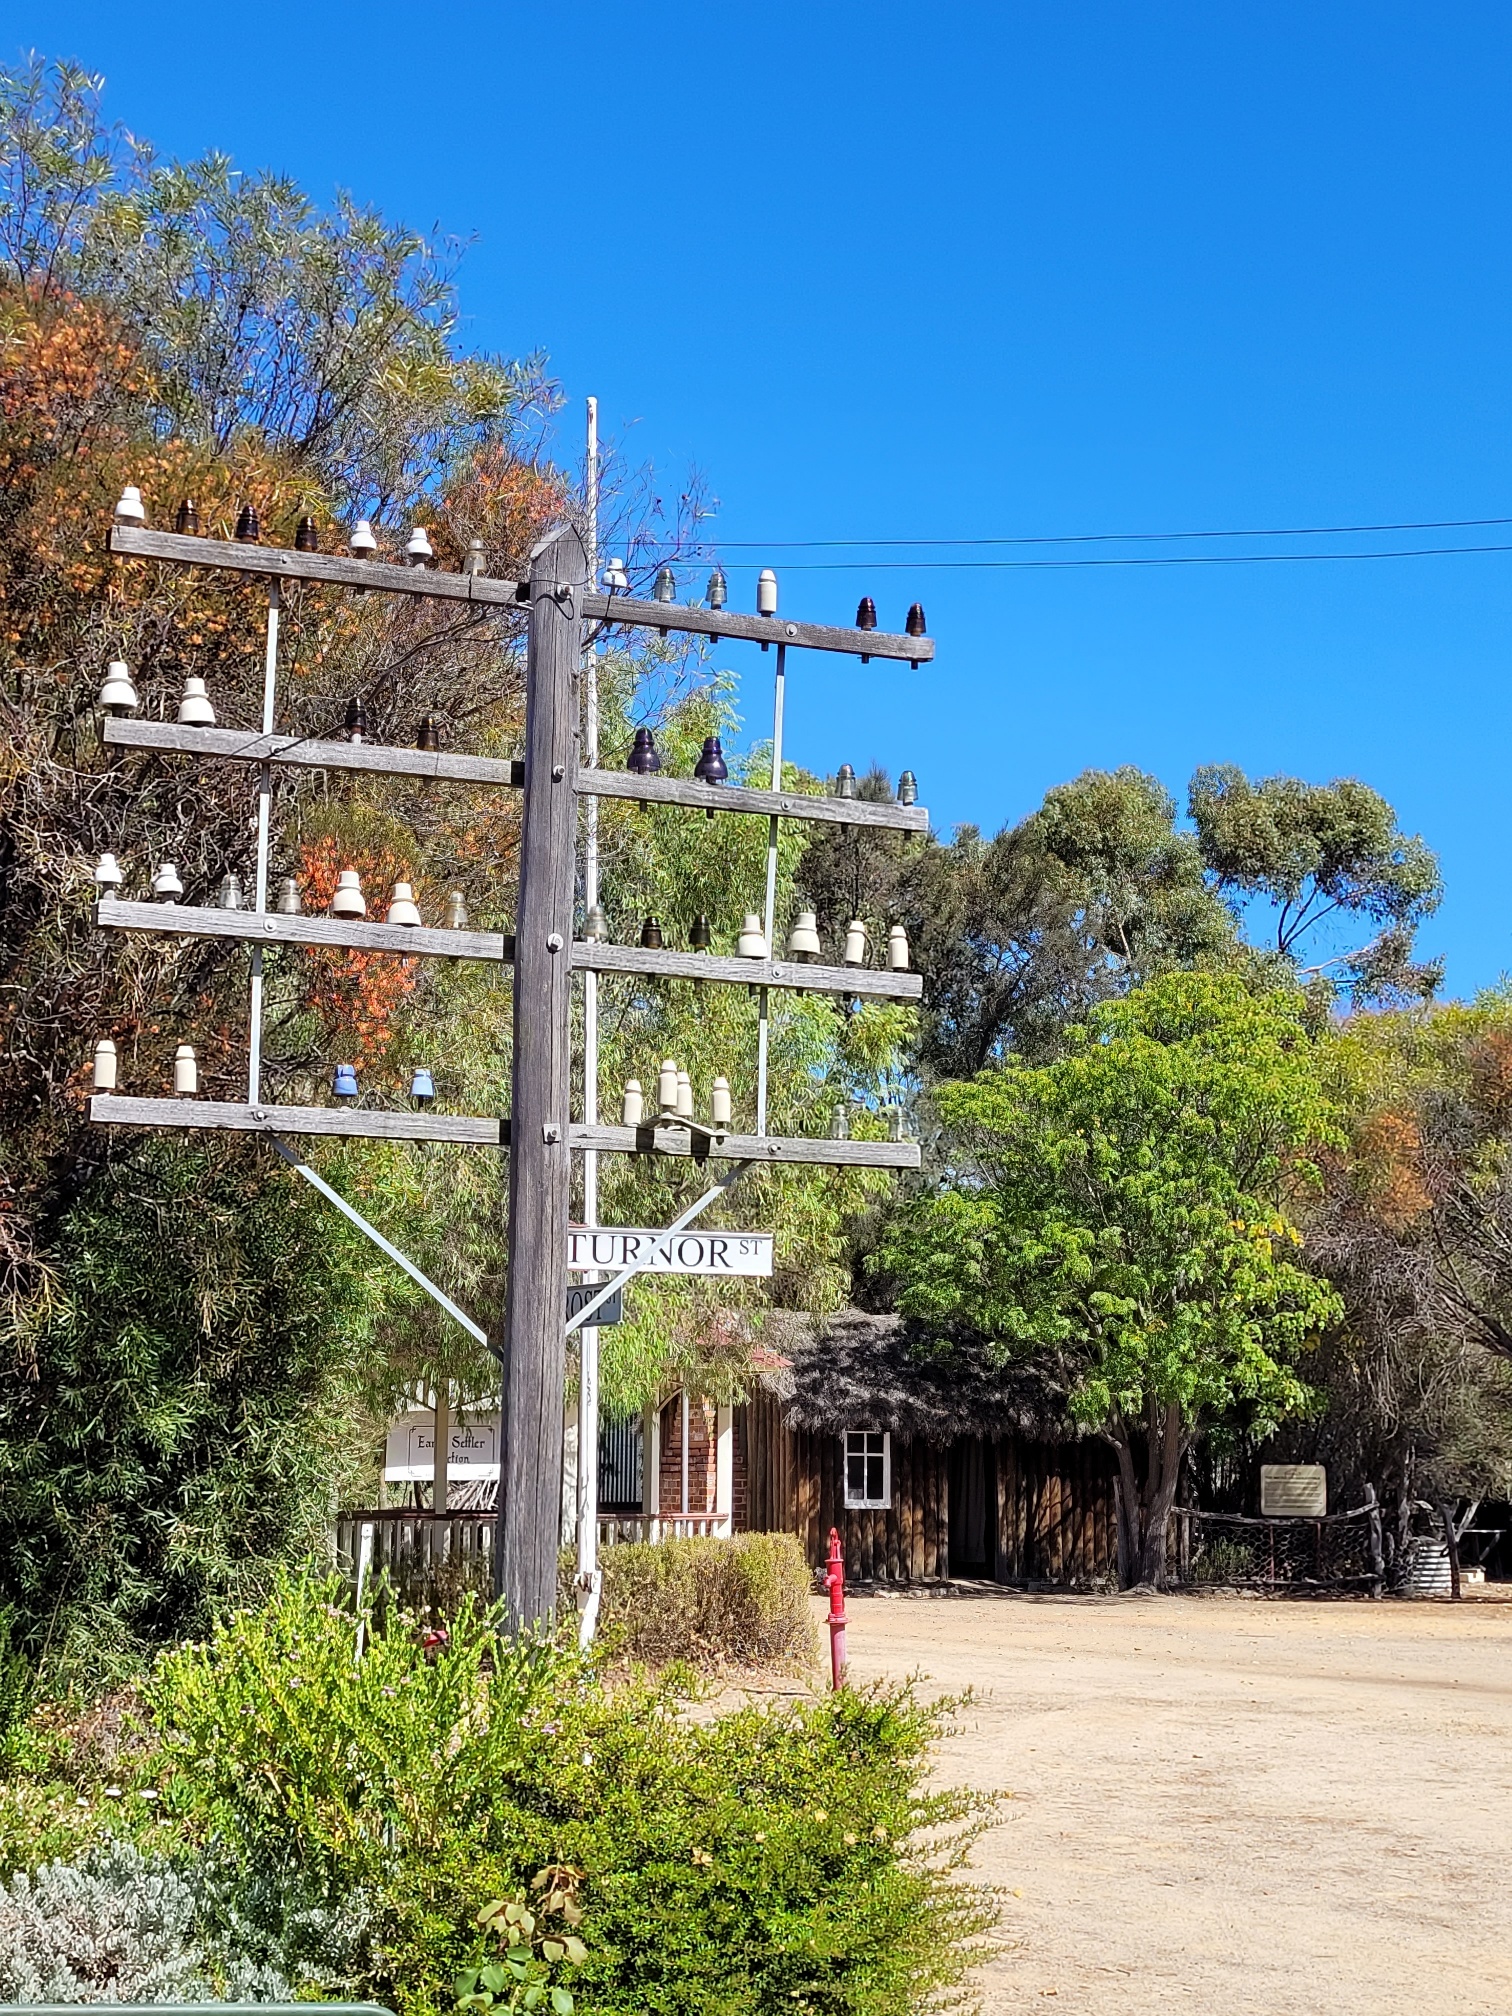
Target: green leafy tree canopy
{"x": 1125, "y": 1210}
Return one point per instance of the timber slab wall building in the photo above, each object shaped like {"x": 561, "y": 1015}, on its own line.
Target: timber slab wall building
{"x": 932, "y": 1469}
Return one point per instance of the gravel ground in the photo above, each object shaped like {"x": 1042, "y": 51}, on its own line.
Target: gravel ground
{"x": 1227, "y": 1806}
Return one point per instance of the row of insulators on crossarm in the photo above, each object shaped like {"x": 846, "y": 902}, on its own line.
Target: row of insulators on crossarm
{"x": 107, "y": 1066}
{"x": 347, "y": 900}
{"x": 717, "y": 594}
{"x": 645, "y": 760}
{"x": 804, "y": 945}
{"x": 118, "y": 695}
{"x": 674, "y": 1092}
{"x": 674, "y": 1105}
{"x": 362, "y": 544}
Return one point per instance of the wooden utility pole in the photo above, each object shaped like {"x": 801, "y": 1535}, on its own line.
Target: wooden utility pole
{"x": 540, "y": 1164}
{"x": 562, "y": 598}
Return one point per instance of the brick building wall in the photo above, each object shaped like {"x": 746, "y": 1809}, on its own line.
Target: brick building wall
{"x": 702, "y": 1432}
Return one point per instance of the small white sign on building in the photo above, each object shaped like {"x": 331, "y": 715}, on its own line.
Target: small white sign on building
{"x": 1293, "y": 1490}
{"x": 410, "y": 1457}
{"x": 614, "y": 1249}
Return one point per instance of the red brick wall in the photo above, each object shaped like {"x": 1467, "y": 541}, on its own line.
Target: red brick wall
{"x": 702, "y": 1438}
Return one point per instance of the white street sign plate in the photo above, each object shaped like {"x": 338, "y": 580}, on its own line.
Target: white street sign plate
{"x": 612, "y": 1250}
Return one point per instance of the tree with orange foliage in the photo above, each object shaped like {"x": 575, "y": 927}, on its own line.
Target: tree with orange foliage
{"x": 1415, "y": 1230}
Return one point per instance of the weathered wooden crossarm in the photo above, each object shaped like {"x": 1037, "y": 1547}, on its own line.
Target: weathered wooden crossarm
{"x": 738, "y": 798}
{"x": 121, "y": 1110}
{"x": 338, "y": 570}
{"x": 768, "y": 1148}
{"x": 303, "y": 752}
{"x": 857, "y": 981}
{"x": 272, "y": 928}
{"x": 117, "y": 1109}
{"x": 755, "y": 629}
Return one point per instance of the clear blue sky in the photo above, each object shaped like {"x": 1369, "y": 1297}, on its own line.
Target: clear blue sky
{"x": 993, "y": 270}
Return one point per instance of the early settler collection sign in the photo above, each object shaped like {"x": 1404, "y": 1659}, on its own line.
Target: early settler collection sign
{"x": 615, "y": 1249}
{"x": 411, "y": 1453}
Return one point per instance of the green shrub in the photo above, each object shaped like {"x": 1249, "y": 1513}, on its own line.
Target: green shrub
{"x": 744, "y": 1601}
{"x": 780, "y": 1858}
{"x": 171, "y": 1424}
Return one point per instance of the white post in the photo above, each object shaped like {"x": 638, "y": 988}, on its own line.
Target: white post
{"x": 588, "y": 1341}
{"x": 724, "y": 1470}
{"x": 771, "y": 889}
{"x": 264, "y": 807}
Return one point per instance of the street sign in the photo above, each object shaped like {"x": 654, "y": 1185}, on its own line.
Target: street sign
{"x": 612, "y": 1250}
{"x": 581, "y": 1293}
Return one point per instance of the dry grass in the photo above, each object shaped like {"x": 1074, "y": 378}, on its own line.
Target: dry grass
{"x": 714, "y": 1604}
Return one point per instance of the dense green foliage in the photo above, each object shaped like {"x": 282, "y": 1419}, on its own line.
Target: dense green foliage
{"x": 357, "y": 1813}
{"x": 177, "y": 1425}
{"x": 1123, "y": 1210}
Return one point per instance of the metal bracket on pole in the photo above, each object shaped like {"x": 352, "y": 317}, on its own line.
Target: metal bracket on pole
{"x": 319, "y": 1183}
{"x": 678, "y": 1225}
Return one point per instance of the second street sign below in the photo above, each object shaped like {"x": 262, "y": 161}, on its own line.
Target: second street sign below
{"x": 613, "y": 1250}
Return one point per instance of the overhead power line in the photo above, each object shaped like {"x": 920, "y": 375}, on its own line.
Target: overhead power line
{"x": 1119, "y": 560}
{"x": 1134, "y": 538}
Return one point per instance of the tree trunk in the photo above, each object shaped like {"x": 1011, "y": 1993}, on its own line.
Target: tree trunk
{"x": 1377, "y": 1555}
{"x": 1403, "y": 1521}
{"x": 1145, "y": 1507}
{"x": 1451, "y": 1541}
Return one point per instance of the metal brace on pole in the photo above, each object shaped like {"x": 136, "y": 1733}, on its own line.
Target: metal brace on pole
{"x": 334, "y": 1197}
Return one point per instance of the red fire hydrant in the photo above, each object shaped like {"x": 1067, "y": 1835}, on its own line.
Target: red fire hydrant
{"x": 834, "y": 1576}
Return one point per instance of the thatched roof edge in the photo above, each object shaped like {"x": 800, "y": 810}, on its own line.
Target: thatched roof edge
{"x": 857, "y": 1370}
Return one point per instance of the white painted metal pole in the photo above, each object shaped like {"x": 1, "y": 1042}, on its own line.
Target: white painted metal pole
{"x": 771, "y": 889}
{"x": 264, "y": 809}
{"x": 588, "y": 1343}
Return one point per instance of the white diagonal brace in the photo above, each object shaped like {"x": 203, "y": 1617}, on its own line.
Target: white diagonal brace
{"x": 679, "y": 1225}
{"x": 347, "y": 1211}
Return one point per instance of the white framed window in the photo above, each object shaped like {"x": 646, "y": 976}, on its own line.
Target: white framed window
{"x": 868, "y": 1470}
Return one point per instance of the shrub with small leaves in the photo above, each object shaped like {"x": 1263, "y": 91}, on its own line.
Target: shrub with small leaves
{"x": 532, "y": 1948}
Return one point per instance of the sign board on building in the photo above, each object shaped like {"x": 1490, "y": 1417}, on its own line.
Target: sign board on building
{"x": 410, "y": 1457}
{"x": 581, "y": 1293}
{"x": 611, "y": 1250}
{"x": 1293, "y": 1490}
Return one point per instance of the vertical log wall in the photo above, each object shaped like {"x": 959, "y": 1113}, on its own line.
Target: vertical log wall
{"x": 1055, "y": 1523}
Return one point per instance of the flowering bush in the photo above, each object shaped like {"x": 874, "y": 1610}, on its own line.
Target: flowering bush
{"x": 349, "y": 1824}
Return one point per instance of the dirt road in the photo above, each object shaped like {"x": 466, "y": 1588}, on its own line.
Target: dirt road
{"x": 1227, "y": 1807}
